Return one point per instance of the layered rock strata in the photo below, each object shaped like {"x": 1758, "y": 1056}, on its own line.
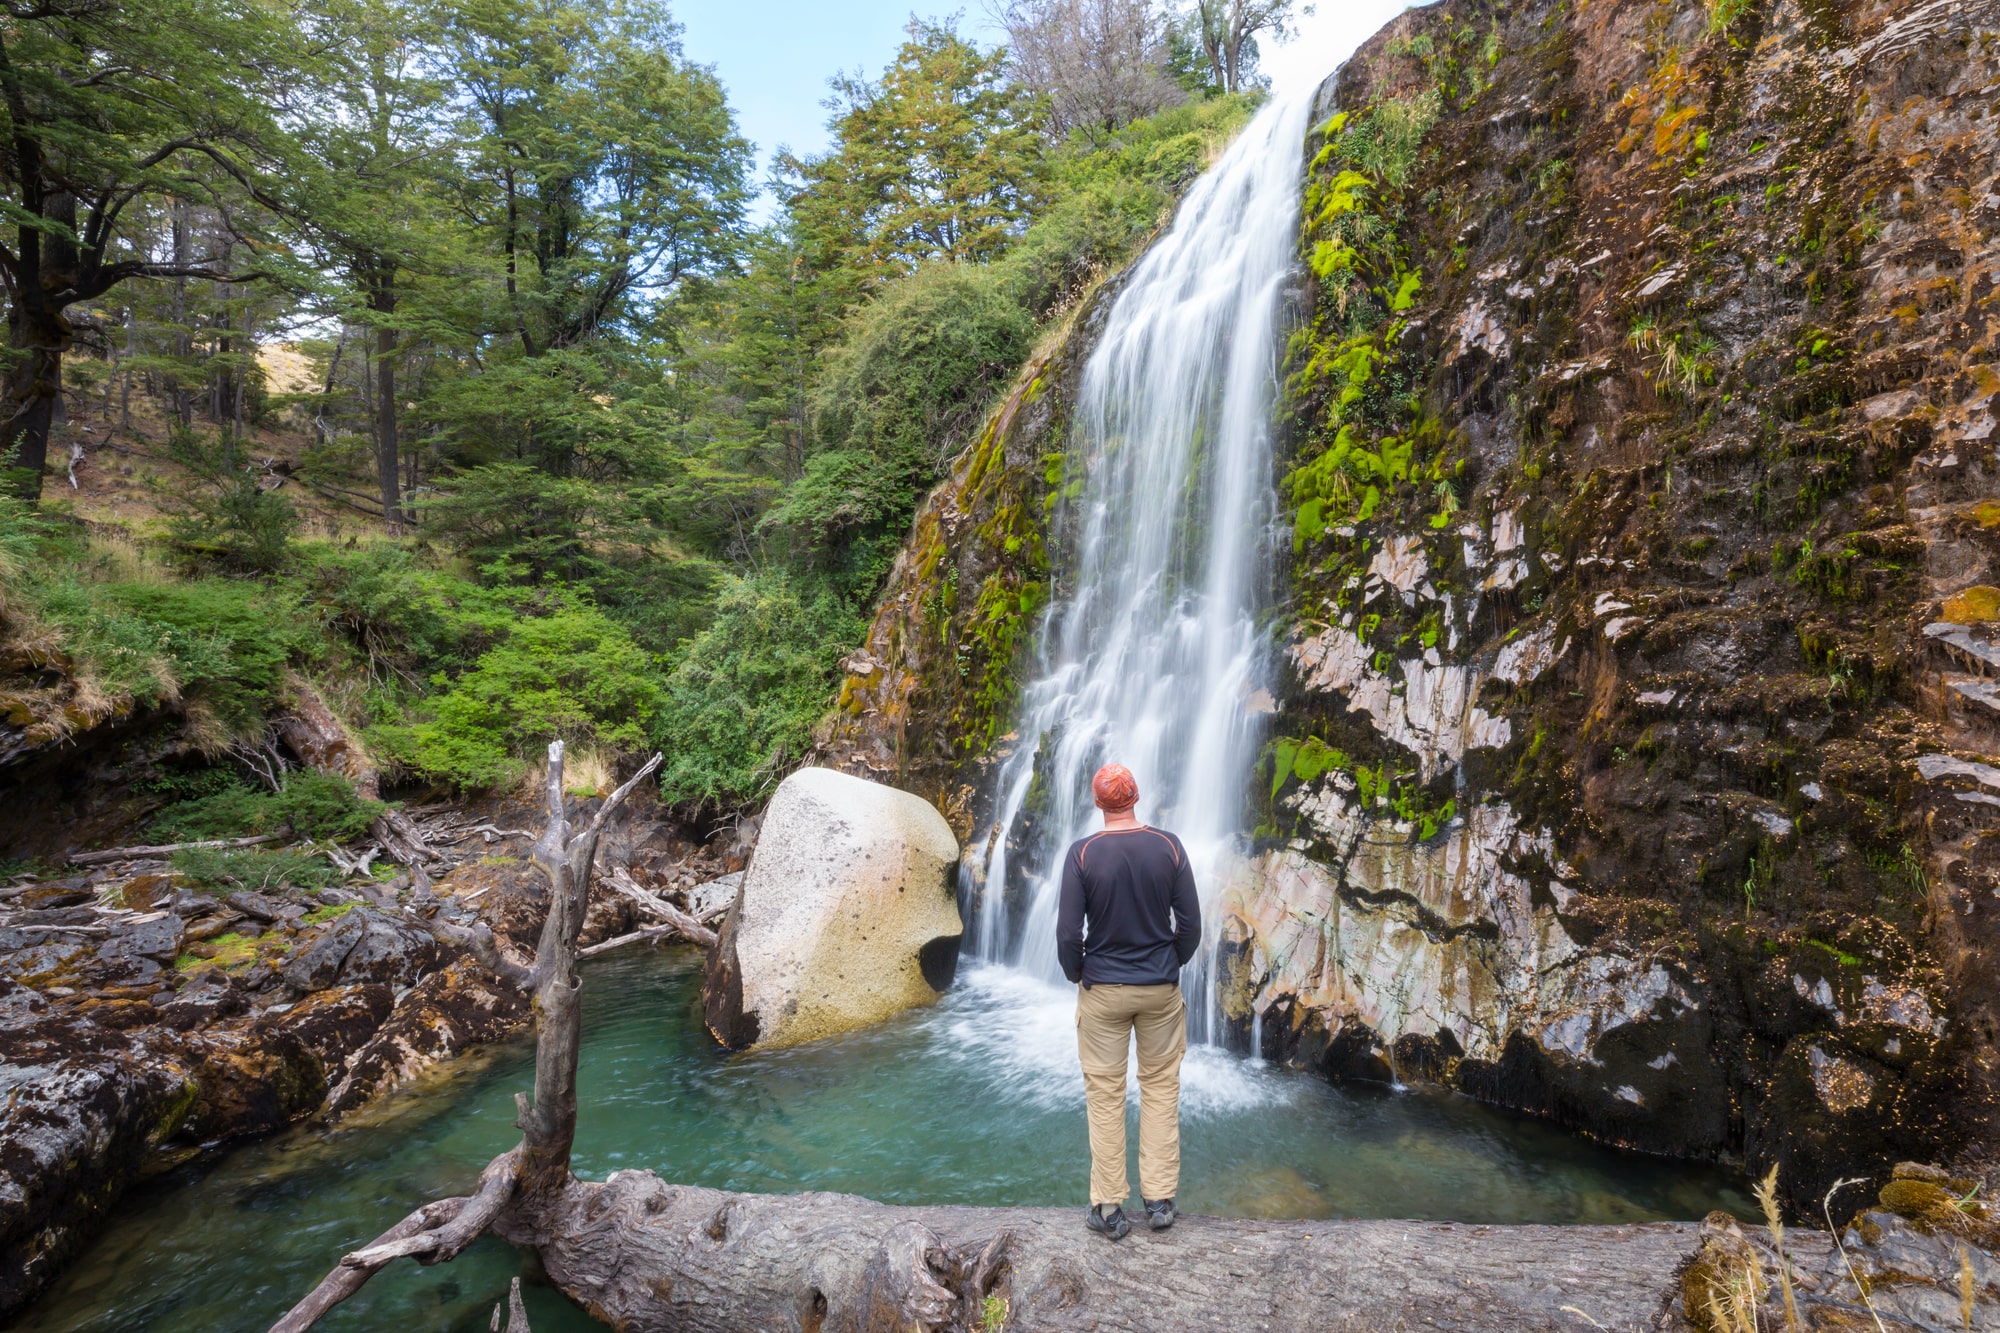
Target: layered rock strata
{"x": 1629, "y": 763}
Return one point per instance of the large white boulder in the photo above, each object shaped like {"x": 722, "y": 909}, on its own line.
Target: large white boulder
{"x": 847, "y": 914}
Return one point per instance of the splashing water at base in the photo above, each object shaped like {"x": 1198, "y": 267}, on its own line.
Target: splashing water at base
{"x": 975, "y": 1101}
{"x": 1153, "y": 656}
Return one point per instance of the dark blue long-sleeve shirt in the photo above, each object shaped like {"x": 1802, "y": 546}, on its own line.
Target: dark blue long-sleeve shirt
{"x": 1136, "y": 890}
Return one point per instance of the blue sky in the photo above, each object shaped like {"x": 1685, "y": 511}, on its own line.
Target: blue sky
{"x": 775, "y": 56}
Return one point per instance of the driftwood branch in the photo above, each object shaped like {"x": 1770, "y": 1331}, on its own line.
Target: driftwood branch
{"x": 645, "y": 933}
{"x": 517, "y": 1313}
{"x": 671, "y": 918}
{"x": 525, "y": 1178}
{"x": 110, "y": 854}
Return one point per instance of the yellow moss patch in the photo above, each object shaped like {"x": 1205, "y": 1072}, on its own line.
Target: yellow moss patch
{"x": 320, "y": 914}
{"x": 1973, "y": 606}
{"x": 1942, "y": 1208}
{"x": 229, "y": 952}
{"x": 1987, "y": 514}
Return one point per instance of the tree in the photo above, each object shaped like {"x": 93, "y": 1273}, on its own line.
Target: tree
{"x": 607, "y": 171}
{"x": 1228, "y": 30}
{"x": 103, "y": 106}
{"x": 941, "y": 159}
{"x": 1100, "y": 63}
{"x": 369, "y": 137}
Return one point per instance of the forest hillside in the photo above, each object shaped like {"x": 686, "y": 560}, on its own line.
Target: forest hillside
{"x": 429, "y": 354}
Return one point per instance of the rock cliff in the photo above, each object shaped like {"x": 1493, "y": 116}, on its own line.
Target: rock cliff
{"x": 1631, "y": 761}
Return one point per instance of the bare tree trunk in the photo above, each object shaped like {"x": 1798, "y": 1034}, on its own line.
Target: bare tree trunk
{"x": 537, "y": 1169}
{"x": 383, "y": 301}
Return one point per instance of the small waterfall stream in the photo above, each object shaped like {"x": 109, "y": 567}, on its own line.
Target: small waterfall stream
{"x": 1156, "y": 658}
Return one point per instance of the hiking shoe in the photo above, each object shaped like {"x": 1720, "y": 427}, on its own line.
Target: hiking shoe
{"x": 1112, "y": 1224}
{"x": 1159, "y": 1213}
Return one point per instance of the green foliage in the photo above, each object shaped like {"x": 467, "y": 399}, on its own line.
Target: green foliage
{"x": 563, "y": 669}
{"x": 223, "y": 514}
{"x": 221, "y": 644}
{"x": 312, "y": 804}
{"x": 741, "y": 703}
{"x": 913, "y": 376}
{"x": 940, "y": 159}
{"x": 1304, "y": 760}
{"x": 408, "y": 622}
{"x": 223, "y": 870}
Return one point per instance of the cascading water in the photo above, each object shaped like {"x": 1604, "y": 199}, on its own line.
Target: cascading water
{"x": 1155, "y": 658}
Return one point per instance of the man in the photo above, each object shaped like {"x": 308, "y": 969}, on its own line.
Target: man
{"x": 1131, "y": 889}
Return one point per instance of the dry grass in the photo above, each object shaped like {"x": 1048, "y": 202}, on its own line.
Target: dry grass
{"x": 1774, "y": 1222}
{"x": 587, "y": 772}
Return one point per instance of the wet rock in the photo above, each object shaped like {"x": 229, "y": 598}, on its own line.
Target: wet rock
{"x": 257, "y": 905}
{"x": 249, "y": 1081}
{"x": 846, "y": 915}
{"x": 140, "y": 943}
{"x": 316, "y": 961}
{"x": 200, "y": 1006}
{"x": 277, "y": 1069}
{"x": 449, "y": 1011}
{"x": 361, "y": 944}
{"x": 146, "y": 893}
{"x": 82, "y": 1112}
{"x": 334, "y": 1024}
{"x": 71, "y": 892}
{"x": 391, "y": 949}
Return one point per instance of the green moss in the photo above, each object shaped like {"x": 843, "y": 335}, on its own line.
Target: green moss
{"x": 330, "y": 912}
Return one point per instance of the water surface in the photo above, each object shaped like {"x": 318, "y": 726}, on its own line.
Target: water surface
{"x": 976, "y": 1101}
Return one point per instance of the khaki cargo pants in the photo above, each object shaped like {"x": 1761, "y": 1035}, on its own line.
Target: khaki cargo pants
{"x": 1106, "y": 1019}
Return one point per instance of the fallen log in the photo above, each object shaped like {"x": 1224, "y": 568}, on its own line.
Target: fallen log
{"x": 165, "y": 849}
{"x": 640, "y": 1253}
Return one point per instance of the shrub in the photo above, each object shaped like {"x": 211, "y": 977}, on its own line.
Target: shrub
{"x": 409, "y": 621}
{"x": 313, "y": 804}
{"x": 215, "y": 643}
{"x": 899, "y": 395}
{"x": 232, "y": 869}
{"x": 741, "y": 704}
{"x": 571, "y": 672}
{"x": 222, "y": 514}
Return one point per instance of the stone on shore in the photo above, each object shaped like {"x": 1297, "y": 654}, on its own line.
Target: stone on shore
{"x": 847, "y": 914}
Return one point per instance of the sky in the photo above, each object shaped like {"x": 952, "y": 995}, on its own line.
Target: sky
{"x": 775, "y": 56}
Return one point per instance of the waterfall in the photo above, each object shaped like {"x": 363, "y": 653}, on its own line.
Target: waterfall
{"x": 1155, "y": 658}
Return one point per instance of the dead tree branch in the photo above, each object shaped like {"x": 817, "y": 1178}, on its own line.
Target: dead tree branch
{"x": 166, "y": 849}
{"x": 671, "y": 918}
{"x": 538, "y": 1168}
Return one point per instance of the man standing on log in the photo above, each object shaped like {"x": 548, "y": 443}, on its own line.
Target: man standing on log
{"x": 1133, "y": 888}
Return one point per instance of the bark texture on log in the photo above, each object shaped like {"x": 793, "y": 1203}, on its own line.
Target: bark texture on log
{"x": 642, "y": 1254}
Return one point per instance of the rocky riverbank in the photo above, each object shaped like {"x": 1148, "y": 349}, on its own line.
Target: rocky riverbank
{"x": 145, "y": 1022}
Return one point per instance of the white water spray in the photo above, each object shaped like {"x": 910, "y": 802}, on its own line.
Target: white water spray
{"x": 1156, "y": 659}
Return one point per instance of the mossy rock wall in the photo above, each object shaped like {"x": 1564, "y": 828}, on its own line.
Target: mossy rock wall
{"x": 927, "y": 700}
{"x": 1632, "y": 764}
